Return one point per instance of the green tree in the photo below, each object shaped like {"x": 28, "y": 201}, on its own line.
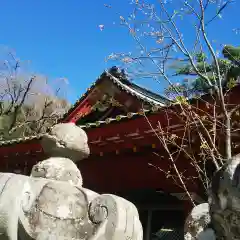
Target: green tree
{"x": 196, "y": 86}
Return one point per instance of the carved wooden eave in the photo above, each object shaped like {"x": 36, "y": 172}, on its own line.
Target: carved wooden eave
{"x": 121, "y": 92}
{"x": 113, "y": 135}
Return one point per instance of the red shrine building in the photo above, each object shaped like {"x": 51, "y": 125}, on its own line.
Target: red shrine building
{"x": 126, "y": 158}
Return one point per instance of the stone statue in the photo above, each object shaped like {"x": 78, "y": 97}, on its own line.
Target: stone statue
{"x": 197, "y": 224}
{"x": 221, "y": 215}
{"x": 52, "y": 204}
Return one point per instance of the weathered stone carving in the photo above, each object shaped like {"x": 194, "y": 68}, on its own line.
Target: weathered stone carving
{"x": 52, "y": 204}
{"x": 197, "y": 221}
{"x": 61, "y": 169}
{"x": 66, "y": 140}
{"x": 222, "y": 212}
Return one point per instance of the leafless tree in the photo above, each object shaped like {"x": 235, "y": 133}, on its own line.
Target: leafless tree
{"x": 28, "y": 102}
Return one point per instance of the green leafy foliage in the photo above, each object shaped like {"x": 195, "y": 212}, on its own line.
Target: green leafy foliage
{"x": 232, "y": 53}
{"x": 229, "y": 70}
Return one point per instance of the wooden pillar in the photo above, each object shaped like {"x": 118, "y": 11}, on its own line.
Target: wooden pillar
{"x": 148, "y": 230}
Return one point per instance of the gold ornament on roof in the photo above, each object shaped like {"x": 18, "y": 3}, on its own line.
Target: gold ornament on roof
{"x": 118, "y": 118}
{"x": 141, "y": 112}
{"x": 155, "y": 108}
{"x": 97, "y": 123}
{"x": 130, "y": 115}
{"x": 108, "y": 120}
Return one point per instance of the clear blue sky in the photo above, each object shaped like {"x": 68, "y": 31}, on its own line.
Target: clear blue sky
{"x": 61, "y": 38}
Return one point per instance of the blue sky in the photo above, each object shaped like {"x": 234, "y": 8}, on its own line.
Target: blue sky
{"x": 61, "y": 38}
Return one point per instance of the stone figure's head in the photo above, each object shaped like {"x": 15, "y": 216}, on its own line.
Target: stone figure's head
{"x": 66, "y": 140}
{"x": 60, "y": 169}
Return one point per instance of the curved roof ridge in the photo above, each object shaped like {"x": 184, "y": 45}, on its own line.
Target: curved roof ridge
{"x": 143, "y": 93}
{"x": 129, "y": 88}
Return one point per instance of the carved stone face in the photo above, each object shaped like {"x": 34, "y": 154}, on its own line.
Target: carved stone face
{"x": 66, "y": 140}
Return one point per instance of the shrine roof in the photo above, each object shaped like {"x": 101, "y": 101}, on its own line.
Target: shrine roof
{"x": 155, "y": 110}
{"x": 121, "y": 80}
